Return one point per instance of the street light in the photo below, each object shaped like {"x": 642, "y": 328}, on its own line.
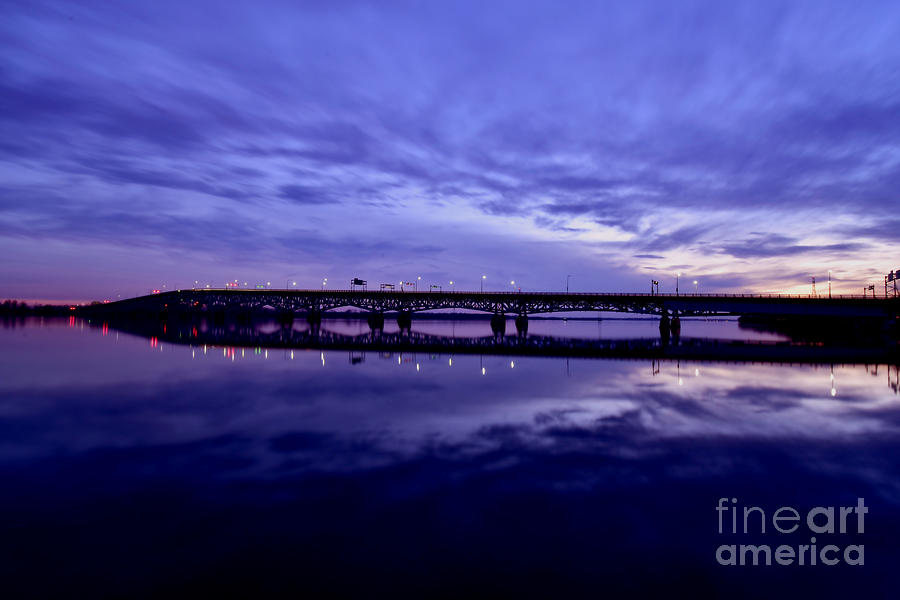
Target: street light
{"x": 677, "y": 275}
{"x": 416, "y": 283}
{"x": 483, "y": 277}
{"x": 695, "y": 286}
{"x": 324, "y": 282}
{"x": 829, "y": 283}
{"x": 567, "y": 283}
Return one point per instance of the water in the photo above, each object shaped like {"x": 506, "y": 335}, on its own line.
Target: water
{"x": 131, "y": 466}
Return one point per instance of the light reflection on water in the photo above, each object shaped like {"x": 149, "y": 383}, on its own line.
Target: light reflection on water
{"x": 310, "y": 446}
{"x": 580, "y": 328}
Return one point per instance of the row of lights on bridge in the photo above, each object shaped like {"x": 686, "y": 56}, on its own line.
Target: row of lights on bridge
{"x": 654, "y": 285}
{"x": 235, "y": 284}
{"x": 891, "y": 277}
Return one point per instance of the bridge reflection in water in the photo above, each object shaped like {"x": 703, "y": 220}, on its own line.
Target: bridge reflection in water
{"x": 666, "y": 346}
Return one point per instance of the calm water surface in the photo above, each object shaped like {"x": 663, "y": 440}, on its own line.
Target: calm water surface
{"x": 132, "y": 467}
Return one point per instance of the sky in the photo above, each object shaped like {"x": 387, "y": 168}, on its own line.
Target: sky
{"x": 748, "y": 146}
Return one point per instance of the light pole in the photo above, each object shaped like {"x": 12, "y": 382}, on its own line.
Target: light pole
{"x": 677, "y": 275}
{"x": 324, "y": 283}
{"x": 513, "y": 284}
{"x": 483, "y": 277}
{"x": 567, "y": 283}
{"x": 416, "y": 284}
{"x": 829, "y": 283}
{"x": 695, "y": 286}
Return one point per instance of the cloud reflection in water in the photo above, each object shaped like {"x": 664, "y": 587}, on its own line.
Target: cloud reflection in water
{"x": 286, "y": 470}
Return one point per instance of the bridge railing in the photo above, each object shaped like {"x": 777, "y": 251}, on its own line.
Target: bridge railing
{"x": 504, "y": 293}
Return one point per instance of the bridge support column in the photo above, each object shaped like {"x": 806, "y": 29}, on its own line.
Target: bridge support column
{"x": 522, "y": 324}
{"x": 376, "y": 321}
{"x": 285, "y": 318}
{"x": 498, "y": 324}
{"x": 664, "y": 327}
{"x": 314, "y": 317}
{"x": 404, "y": 320}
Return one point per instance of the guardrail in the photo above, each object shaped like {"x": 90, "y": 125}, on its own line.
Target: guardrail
{"x": 545, "y": 294}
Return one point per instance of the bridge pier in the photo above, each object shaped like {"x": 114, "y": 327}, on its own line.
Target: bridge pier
{"x": 498, "y": 324}
{"x": 314, "y": 318}
{"x": 376, "y": 321}
{"x": 285, "y": 318}
{"x": 404, "y": 320}
{"x": 669, "y": 327}
{"x": 522, "y": 325}
{"x": 665, "y": 328}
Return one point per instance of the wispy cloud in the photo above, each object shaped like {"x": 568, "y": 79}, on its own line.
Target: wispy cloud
{"x": 629, "y": 133}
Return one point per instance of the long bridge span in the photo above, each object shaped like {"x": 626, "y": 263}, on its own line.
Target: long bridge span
{"x": 315, "y": 302}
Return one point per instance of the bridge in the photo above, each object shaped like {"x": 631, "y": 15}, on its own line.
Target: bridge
{"x": 313, "y": 303}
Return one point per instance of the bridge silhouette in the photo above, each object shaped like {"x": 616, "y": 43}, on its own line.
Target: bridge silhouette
{"x": 288, "y": 303}
{"x": 316, "y": 302}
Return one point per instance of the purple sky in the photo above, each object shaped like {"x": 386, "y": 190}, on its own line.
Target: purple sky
{"x": 747, "y": 145}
